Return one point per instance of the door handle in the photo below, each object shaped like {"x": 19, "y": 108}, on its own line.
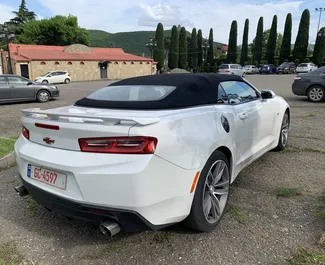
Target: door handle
{"x": 243, "y": 116}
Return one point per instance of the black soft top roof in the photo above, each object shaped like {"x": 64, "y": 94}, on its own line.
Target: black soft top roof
{"x": 191, "y": 90}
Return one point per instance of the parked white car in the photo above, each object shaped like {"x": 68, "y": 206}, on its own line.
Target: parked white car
{"x": 54, "y": 77}
{"x": 147, "y": 152}
{"x": 305, "y": 68}
{"x": 232, "y": 69}
{"x": 251, "y": 69}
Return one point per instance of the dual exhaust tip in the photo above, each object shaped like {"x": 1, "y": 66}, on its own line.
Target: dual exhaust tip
{"x": 108, "y": 228}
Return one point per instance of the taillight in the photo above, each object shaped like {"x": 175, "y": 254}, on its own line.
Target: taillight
{"x": 25, "y": 132}
{"x": 119, "y": 145}
{"x": 68, "y": 74}
{"x": 47, "y": 126}
{"x": 228, "y": 71}
{"x": 297, "y": 77}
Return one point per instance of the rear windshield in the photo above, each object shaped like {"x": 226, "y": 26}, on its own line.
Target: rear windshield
{"x": 284, "y": 64}
{"x": 303, "y": 65}
{"x": 265, "y": 66}
{"x": 131, "y": 93}
{"x": 224, "y": 66}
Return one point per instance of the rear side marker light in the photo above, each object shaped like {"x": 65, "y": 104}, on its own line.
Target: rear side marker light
{"x": 25, "y": 132}
{"x": 47, "y": 126}
{"x": 119, "y": 145}
{"x": 195, "y": 181}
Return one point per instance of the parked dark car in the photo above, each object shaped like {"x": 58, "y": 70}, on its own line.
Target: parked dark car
{"x": 267, "y": 69}
{"x": 17, "y": 88}
{"x": 311, "y": 84}
{"x": 286, "y": 68}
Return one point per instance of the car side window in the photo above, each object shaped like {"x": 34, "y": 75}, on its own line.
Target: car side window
{"x": 222, "y": 96}
{"x": 239, "y": 92}
{"x": 234, "y": 66}
{"x": 3, "y": 80}
{"x": 16, "y": 80}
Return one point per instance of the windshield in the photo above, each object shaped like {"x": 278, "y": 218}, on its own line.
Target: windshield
{"x": 284, "y": 65}
{"x": 131, "y": 93}
{"x": 46, "y": 74}
{"x": 265, "y": 66}
{"x": 224, "y": 66}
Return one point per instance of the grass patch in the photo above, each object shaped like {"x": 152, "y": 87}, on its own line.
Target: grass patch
{"x": 9, "y": 254}
{"x": 319, "y": 208}
{"x": 292, "y": 149}
{"x": 6, "y": 146}
{"x": 287, "y": 192}
{"x": 161, "y": 236}
{"x": 321, "y": 241}
{"x": 303, "y": 256}
{"x": 241, "y": 216}
{"x": 31, "y": 205}
{"x": 310, "y": 115}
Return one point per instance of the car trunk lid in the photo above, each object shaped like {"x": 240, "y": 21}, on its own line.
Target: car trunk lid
{"x": 63, "y": 127}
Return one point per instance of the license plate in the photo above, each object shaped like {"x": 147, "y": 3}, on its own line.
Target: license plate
{"x": 49, "y": 177}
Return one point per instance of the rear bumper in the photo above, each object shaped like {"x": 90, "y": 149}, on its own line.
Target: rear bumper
{"x": 299, "y": 88}
{"x": 147, "y": 185}
{"x": 130, "y": 221}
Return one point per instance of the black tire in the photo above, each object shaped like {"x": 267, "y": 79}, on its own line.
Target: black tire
{"x": 316, "y": 93}
{"x": 196, "y": 219}
{"x": 43, "y": 96}
{"x": 45, "y": 81}
{"x": 67, "y": 81}
{"x": 283, "y": 144}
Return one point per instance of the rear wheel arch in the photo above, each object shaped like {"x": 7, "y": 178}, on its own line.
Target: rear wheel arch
{"x": 226, "y": 151}
{"x": 313, "y": 85}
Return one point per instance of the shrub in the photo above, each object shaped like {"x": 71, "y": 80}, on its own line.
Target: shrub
{"x": 307, "y": 60}
{"x": 276, "y": 62}
{"x": 296, "y": 61}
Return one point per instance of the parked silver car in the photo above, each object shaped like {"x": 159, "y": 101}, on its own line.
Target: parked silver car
{"x": 17, "y": 88}
{"x": 251, "y": 69}
{"x": 305, "y": 68}
{"x": 232, "y": 69}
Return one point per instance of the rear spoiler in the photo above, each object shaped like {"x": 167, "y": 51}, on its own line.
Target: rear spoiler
{"x": 37, "y": 113}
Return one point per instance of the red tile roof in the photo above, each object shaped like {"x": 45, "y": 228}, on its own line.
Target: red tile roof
{"x": 23, "y": 52}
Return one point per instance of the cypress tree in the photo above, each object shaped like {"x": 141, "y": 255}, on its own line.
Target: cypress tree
{"x": 182, "y": 62}
{"x": 174, "y": 49}
{"x": 319, "y": 49}
{"x": 199, "y": 47}
{"x": 194, "y": 50}
{"x": 210, "y": 53}
{"x": 271, "y": 43}
{"x": 159, "y": 51}
{"x": 258, "y": 44}
{"x": 232, "y": 44}
{"x": 188, "y": 50}
{"x": 301, "y": 44}
{"x": 286, "y": 41}
{"x": 244, "y": 48}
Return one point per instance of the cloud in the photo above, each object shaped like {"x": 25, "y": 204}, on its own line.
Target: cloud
{"x": 167, "y": 14}
{"x": 5, "y": 13}
{"x": 128, "y": 15}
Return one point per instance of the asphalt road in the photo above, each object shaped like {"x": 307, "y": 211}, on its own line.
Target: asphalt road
{"x": 259, "y": 227}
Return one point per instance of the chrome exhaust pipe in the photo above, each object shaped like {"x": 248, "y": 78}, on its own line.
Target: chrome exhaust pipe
{"x": 21, "y": 190}
{"x": 109, "y": 228}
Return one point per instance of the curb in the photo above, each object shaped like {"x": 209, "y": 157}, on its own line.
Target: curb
{"x": 8, "y": 160}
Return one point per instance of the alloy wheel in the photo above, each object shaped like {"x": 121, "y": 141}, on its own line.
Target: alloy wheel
{"x": 43, "y": 96}
{"x": 216, "y": 191}
{"x": 316, "y": 94}
{"x": 285, "y": 130}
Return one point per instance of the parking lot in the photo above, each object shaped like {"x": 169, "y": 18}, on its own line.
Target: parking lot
{"x": 270, "y": 214}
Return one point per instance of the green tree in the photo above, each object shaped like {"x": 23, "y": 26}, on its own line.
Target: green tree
{"x": 58, "y": 30}
{"x": 210, "y": 53}
{"x": 23, "y": 15}
{"x": 258, "y": 43}
{"x": 244, "y": 48}
{"x": 271, "y": 43}
{"x": 194, "y": 51}
{"x": 286, "y": 42}
{"x": 232, "y": 44}
{"x": 301, "y": 44}
{"x": 188, "y": 50}
{"x": 199, "y": 46}
{"x": 174, "y": 49}
{"x": 319, "y": 49}
{"x": 159, "y": 51}
{"x": 182, "y": 63}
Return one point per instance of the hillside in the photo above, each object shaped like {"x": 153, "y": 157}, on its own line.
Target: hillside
{"x": 131, "y": 42}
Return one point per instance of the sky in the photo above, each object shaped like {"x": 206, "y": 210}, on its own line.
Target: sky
{"x": 128, "y": 15}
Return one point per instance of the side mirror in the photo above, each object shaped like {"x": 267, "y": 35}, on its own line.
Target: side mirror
{"x": 267, "y": 94}
{"x": 29, "y": 83}
{"x": 48, "y": 75}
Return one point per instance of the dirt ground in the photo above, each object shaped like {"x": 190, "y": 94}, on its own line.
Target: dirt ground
{"x": 272, "y": 208}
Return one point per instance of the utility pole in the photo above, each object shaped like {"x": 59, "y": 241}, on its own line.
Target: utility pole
{"x": 7, "y": 35}
{"x": 320, "y": 10}
{"x": 151, "y": 44}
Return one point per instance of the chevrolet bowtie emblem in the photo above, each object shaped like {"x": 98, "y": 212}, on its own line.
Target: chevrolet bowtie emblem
{"x": 48, "y": 140}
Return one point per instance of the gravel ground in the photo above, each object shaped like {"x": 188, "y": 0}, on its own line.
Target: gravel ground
{"x": 258, "y": 228}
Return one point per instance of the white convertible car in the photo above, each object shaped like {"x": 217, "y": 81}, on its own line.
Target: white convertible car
{"x": 147, "y": 152}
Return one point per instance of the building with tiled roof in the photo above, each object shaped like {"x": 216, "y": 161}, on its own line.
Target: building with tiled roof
{"x": 83, "y": 63}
